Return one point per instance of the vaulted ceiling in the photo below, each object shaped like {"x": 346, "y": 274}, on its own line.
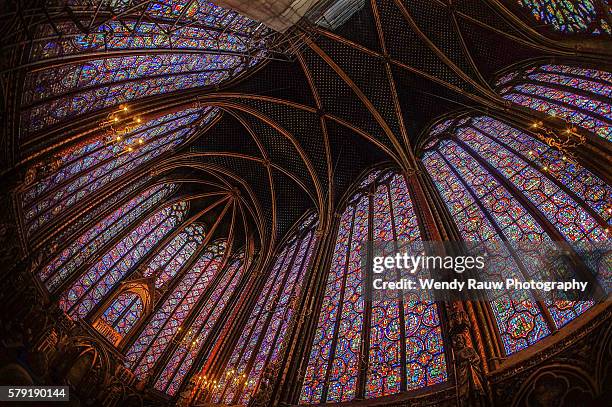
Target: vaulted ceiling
{"x": 297, "y": 130}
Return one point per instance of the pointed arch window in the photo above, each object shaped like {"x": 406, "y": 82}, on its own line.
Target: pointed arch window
{"x": 578, "y": 95}
{"x": 200, "y": 334}
{"x": 99, "y": 279}
{"x": 89, "y": 243}
{"x": 400, "y": 341}
{"x": 263, "y": 336}
{"x": 204, "y": 47}
{"x": 86, "y": 169}
{"x": 570, "y": 16}
{"x": 124, "y": 312}
{"x": 171, "y": 259}
{"x": 500, "y": 184}
{"x": 120, "y": 317}
{"x": 70, "y": 230}
{"x": 186, "y": 298}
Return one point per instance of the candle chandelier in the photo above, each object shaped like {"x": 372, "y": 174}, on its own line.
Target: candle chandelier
{"x": 119, "y": 124}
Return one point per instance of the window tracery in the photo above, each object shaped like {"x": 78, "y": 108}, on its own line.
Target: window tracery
{"x": 487, "y": 172}
{"x": 87, "y": 168}
{"x": 569, "y": 16}
{"x": 202, "y": 45}
{"x": 262, "y": 338}
{"x": 404, "y": 345}
{"x": 99, "y": 279}
{"x": 579, "y": 96}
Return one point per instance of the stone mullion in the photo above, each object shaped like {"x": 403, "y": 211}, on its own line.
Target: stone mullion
{"x": 137, "y": 81}
{"x": 158, "y": 248}
{"x": 596, "y": 115}
{"x": 147, "y": 258}
{"x": 179, "y": 335}
{"x": 554, "y": 86}
{"x": 306, "y": 316}
{"x": 224, "y": 350}
{"x": 546, "y": 225}
{"x": 204, "y": 355}
{"x": 129, "y": 341}
{"x": 163, "y": 361}
{"x": 243, "y": 314}
{"x": 107, "y": 246}
{"x": 541, "y": 305}
{"x": 400, "y": 301}
{"x": 552, "y": 179}
{"x": 124, "y": 312}
{"x": 68, "y": 240}
{"x": 364, "y": 352}
{"x": 437, "y": 229}
{"x": 332, "y": 350}
{"x": 248, "y": 316}
{"x": 216, "y": 333}
{"x": 174, "y": 282}
{"x": 134, "y": 333}
{"x": 302, "y": 268}
{"x": 94, "y": 199}
{"x": 268, "y": 318}
{"x": 442, "y": 221}
{"x": 98, "y": 165}
{"x": 592, "y": 155}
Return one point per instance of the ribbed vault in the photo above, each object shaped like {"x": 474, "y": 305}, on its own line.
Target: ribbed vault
{"x": 298, "y": 116}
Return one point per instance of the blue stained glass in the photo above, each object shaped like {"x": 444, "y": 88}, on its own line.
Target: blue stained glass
{"x": 579, "y": 96}
{"x": 88, "y": 244}
{"x": 86, "y": 169}
{"x": 559, "y": 188}
{"x": 569, "y": 16}
{"x": 333, "y": 368}
{"x": 200, "y": 46}
{"x": 265, "y": 331}
{"x": 99, "y": 279}
{"x": 167, "y": 321}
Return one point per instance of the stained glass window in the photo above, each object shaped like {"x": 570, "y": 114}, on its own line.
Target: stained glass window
{"x": 167, "y": 321}
{"x": 487, "y": 171}
{"x": 211, "y": 45}
{"x": 99, "y": 279}
{"x": 90, "y": 242}
{"x": 579, "y": 96}
{"x": 175, "y": 254}
{"x": 569, "y": 16}
{"x": 406, "y": 329}
{"x": 265, "y": 330}
{"x": 68, "y": 231}
{"x": 120, "y": 317}
{"x": 201, "y": 330}
{"x": 87, "y": 168}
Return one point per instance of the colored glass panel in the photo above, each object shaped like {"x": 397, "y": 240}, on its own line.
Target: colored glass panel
{"x": 199, "y": 332}
{"x": 211, "y": 45}
{"x": 400, "y": 329}
{"x": 167, "y": 321}
{"x": 173, "y": 257}
{"x": 90, "y": 242}
{"x": 264, "y": 334}
{"x": 520, "y": 321}
{"x": 87, "y": 169}
{"x": 123, "y": 313}
{"x": 580, "y": 96}
{"x": 568, "y": 16}
{"x": 99, "y": 280}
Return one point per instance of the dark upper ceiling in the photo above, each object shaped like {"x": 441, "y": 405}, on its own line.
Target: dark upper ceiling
{"x": 298, "y": 133}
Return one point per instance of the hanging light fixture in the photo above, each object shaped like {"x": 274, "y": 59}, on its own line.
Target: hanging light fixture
{"x": 120, "y": 123}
